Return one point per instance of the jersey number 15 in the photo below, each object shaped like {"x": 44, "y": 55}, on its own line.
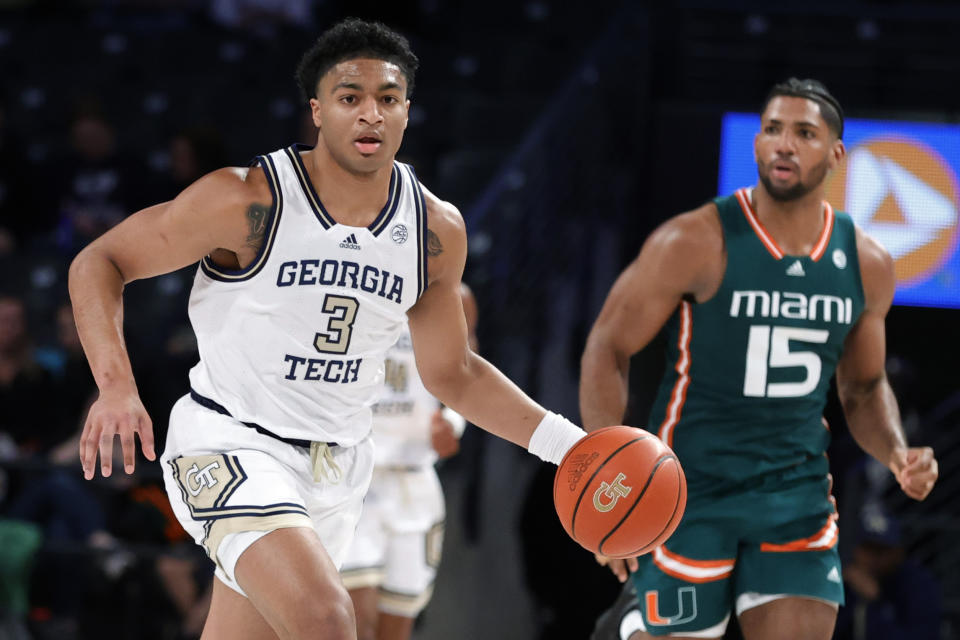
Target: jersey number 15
{"x": 769, "y": 348}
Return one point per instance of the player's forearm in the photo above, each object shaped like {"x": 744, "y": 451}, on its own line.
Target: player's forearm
{"x": 603, "y": 384}
{"x": 873, "y": 417}
{"x": 96, "y": 292}
{"x": 487, "y": 398}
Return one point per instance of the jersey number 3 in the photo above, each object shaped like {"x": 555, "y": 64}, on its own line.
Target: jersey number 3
{"x": 768, "y": 348}
{"x": 342, "y": 311}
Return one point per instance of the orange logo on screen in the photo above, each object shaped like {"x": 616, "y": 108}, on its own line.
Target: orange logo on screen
{"x": 904, "y": 194}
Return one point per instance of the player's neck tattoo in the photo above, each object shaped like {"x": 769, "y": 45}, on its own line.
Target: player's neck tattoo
{"x": 257, "y": 222}
{"x": 434, "y": 248}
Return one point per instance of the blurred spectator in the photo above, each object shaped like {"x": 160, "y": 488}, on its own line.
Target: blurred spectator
{"x": 75, "y": 386}
{"x": 889, "y": 596}
{"x": 99, "y": 183}
{"x": 193, "y": 153}
{"x": 26, "y": 389}
{"x": 147, "y": 563}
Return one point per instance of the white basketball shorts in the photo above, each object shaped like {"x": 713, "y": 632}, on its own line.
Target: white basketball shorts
{"x": 229, "y": 485}
{"x": 399, "y": 539}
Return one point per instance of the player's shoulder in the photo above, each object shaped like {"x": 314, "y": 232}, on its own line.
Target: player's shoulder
{"x": 240, "y": 182}
{"x": 446, "y": 230}
{"x": 231, "y": 187}
{"x": 442, "y": 217}
{"x": 872, "y": 254}
{"x": 691, "y": 232}
{"x": 876, "y": 269}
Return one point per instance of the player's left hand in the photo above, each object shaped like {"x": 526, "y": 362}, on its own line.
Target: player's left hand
{"x": 915, "y": 469}
{"x": 620, "y": 568}
{"x": 442, "y": 436}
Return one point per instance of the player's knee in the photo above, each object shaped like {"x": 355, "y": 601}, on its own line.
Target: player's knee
{"x": 330, "y": 617}
{"x": 366, "y": 628}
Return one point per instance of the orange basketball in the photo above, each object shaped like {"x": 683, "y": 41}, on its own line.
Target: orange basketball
{"x": 620, "y": 492}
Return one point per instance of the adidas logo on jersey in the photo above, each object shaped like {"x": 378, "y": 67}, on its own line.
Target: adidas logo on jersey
{"x": 834, "y": 576}
{"x": 796, "y": 269}
{"x": 350, "y": 242}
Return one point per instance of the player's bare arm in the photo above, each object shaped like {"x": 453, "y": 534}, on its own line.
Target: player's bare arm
{"x": 452, "y": 372}
{"x": 446, "y": 425}
{"x": 683, "y": 257}
{"x": 222, "y": 215}
{"x": 868, "y": 401}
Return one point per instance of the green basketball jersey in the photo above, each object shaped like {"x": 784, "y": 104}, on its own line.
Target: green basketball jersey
{"x": 748, "y": 370}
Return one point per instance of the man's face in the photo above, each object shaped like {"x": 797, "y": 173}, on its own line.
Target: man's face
{"x": 794, "y": 149}
{"x": 361, "y": 110}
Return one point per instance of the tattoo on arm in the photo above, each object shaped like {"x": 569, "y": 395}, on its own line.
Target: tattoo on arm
{"x": 257, "y": 222}
{"x": 434, "y": 248}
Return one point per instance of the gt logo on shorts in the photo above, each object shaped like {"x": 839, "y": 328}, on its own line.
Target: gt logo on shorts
{"x": 614, "y": 491}
{"x": 202, "y": 478}
{"x": 686, "y": 607}
{"x": 207, "y": 482}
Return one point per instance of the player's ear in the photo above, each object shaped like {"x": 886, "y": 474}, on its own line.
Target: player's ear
{"x": 407, "y": 118}
{"x": 837, "y": 153}
{"x": 315, "y": 112}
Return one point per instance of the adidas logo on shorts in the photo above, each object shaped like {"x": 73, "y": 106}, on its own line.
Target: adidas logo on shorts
{"x": 350, "y": 242}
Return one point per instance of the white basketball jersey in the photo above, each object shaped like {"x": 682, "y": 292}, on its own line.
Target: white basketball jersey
{"x": 401, "y": 418}
{"x": 295, "y": 341}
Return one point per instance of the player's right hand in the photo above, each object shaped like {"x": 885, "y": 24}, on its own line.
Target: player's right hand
{"x": 442, "y": 437}
{"x": 115, "y": 413}
{"x": 620, "y": 568}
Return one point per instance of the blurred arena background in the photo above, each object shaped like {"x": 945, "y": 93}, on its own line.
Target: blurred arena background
{"x": 564, "y": 132}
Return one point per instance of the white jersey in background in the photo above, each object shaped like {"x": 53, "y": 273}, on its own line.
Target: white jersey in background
{"x": 402, "y": 416}
{"x": 295, "y": 342}
{"x": 399, "y": 536}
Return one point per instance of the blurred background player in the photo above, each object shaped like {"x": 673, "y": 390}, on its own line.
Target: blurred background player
{"x": 763, "y": 295}
{"x": 392, "y": 562}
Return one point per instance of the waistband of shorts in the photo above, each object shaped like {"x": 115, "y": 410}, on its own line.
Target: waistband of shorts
{"x": 399, "y": 468}
{"x": 213, "y": 405}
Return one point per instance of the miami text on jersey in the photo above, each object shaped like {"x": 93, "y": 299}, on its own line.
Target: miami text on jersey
{"x": 791, "y": 305}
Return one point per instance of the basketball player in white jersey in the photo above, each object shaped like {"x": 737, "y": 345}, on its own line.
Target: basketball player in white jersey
{"x": 392, "y": 562}
{"x": 310, "y": 262}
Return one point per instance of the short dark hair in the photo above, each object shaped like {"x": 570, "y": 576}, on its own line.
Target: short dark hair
{"x": 355, "y": 38}
{"x": 811, "y": 89}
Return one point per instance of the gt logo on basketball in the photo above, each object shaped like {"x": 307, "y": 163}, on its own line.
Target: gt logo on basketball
{"x": 614, "y": 491}
{"x": 904, "y": 194}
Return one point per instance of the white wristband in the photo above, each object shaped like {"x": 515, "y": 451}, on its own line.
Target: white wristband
{"x": 553, "y": 437}
{"x": 457, "y": 421}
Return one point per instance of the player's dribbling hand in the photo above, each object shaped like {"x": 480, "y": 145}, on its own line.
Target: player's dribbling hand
{"x": 442, "y": 437}
{"x": 916, "y": 470}
{"x": 115, "y": 413}
{"x": 620, "y": 568}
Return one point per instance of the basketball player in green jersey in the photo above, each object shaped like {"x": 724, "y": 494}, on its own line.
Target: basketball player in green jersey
{"x": 763, "y": 295}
